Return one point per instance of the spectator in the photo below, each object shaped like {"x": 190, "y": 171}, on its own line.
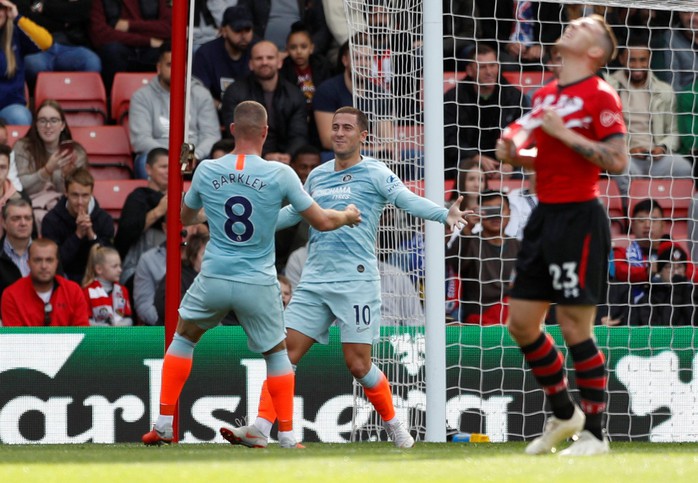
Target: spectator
{"x": 484, "y": 263}
{"x": 20, "y": 37}
{"x": 338, "y": 91}
{"x": 222, "y": 147}
{"x": 635, "y": 264}
{"x": 471, "y": 182}
{"x": 128, "y": 33}
{"x": 77, "y": 223}
{"x": 17, "y": 222}
{"x": 208, "y": 20}
{"x": 67, "y": 21}
{"x": 149, "y": 115}
{"x": 143, "y": 215}
{"x": 303, "y": 67}
{"x": 682, "y": 50}
{"x": 107, "y": 300}
{"x": 668, "y": 298}
{"x": 150, "y": 271}
{"x": 523, "y": 28}
{"x": 221, "y": 62}
{"x": 289, "y": 239}
{"x": 43, "y": 298}
{"x": 648, "y": 108}
{"x": 273, "y": 19}
{"x": 12, "y": 175}
{"x": 45, "y": 157}
{"x": 288, "y": 126}
{"x": 477, "y": 110}
{"x": 7, "y": 189}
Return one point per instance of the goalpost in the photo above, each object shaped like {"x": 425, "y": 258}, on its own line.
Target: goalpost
{"x": 469, "y": 378}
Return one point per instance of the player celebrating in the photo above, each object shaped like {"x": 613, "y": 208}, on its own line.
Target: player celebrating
{"x": 340, "y": 278}
{"x": 241, "y": 195}
{"x": 578, "y": 129}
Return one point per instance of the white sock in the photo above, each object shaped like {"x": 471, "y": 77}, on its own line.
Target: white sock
{"x": 286, "y": 435}
{"x": 264, "y": 426}
{"x": 164, "y": 423}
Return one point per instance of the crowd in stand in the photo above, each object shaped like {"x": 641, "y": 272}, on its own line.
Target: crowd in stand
{"x": 293, "y": 57}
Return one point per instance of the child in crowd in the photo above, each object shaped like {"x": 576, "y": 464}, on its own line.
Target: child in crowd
{"x": 305, "y": 69}
{"x": 107, "y": 300}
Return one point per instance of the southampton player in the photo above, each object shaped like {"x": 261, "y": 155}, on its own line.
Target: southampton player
{"x": 340, "y": 278}
{"x": 241, "y": 195}
{"x": 578, "y": 130}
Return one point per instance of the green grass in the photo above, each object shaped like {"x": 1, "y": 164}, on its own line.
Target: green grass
{"x": 361, "y": 462}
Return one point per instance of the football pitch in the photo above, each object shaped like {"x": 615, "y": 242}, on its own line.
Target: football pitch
{"x": 359, "y": 462}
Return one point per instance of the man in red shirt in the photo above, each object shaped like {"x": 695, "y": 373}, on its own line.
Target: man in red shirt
{"x": 43, "y": 298}
{"x": 577, "y": 126}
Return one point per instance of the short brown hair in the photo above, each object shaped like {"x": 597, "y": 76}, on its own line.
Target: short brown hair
{"x": 81, "y": 176}
{"x": 361, "y": 118}
{"x": 250, "y": 118}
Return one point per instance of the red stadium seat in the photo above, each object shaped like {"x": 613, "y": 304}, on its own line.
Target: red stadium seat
{"x": 81, "y": 95}
{"x": 111, "y": 194}
{"x": 615, "y": 204}
{"x": 410, "y": 137}
{"x": 674, "y": 195}
{"x": 108, "y": 151}
{"x": 125, "y": 84}
{"x": 527, "y": 81}
{"x": 15, "y": 133}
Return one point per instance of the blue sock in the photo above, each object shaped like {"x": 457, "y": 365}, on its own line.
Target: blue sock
{"x": 181, "y": 347}
{"x": 278, "y": 363}
{"x": 372, "y": 377}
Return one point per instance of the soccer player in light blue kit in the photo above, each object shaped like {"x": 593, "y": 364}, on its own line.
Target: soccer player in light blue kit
{"x": 241, "y": 195}
{"x": 340, "y": 279}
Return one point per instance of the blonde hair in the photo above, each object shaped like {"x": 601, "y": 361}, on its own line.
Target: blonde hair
{"x": 98, "y": 255}
{"x": 7, "y": 34}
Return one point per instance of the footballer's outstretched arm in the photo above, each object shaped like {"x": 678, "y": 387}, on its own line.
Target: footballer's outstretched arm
{"x": 326, "y": 219}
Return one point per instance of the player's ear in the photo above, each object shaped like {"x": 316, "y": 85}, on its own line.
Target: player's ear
{"x": 597, "y": 53}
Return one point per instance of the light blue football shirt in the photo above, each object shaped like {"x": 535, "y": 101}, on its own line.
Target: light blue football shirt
{"x": 242, "y": 196}
{"x": 350, "y": 253}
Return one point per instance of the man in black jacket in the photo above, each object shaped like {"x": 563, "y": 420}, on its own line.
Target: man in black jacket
{"x": 76, "y": 223}
{"x": 476, "y": 111}
{"x": 18, "y": 222}
{"x": 285, "y": 103}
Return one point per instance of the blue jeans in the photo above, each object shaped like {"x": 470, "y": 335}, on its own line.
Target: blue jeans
{"x": 16, "y": 114}
{"x": 139, "y": 171}
{"x": 61, "y": 58}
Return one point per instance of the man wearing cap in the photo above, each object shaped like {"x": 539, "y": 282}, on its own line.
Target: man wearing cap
{"x": 220, "y": 62}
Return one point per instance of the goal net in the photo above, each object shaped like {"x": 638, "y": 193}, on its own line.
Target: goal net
{"x": 645, "y": 326}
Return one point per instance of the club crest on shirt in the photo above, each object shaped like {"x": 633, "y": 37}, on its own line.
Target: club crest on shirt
{"x": 346, "y": 178}
{"x": 392, "y": 183}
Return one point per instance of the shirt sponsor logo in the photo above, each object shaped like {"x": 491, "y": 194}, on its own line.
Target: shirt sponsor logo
{"x": 339, "y": 193}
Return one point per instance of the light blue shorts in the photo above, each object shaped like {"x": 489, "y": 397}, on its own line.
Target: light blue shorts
{"x": 257, "y": 307}
{"x": 355, "y": 305}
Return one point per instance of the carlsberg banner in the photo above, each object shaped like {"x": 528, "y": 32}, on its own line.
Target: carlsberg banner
{"x": 70, "y": 385}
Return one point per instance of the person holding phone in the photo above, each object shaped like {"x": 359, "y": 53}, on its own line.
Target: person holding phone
{"x": 19, "y": 37}
{"x": 43, "y": 162}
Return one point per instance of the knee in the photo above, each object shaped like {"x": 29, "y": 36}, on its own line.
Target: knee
{"x": 16, "y": 114}
{"x": 358, "y": 367}
{"x": 522, "y": 332}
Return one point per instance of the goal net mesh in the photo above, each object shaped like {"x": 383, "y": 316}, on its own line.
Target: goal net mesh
{"x": 645, "y": 325}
